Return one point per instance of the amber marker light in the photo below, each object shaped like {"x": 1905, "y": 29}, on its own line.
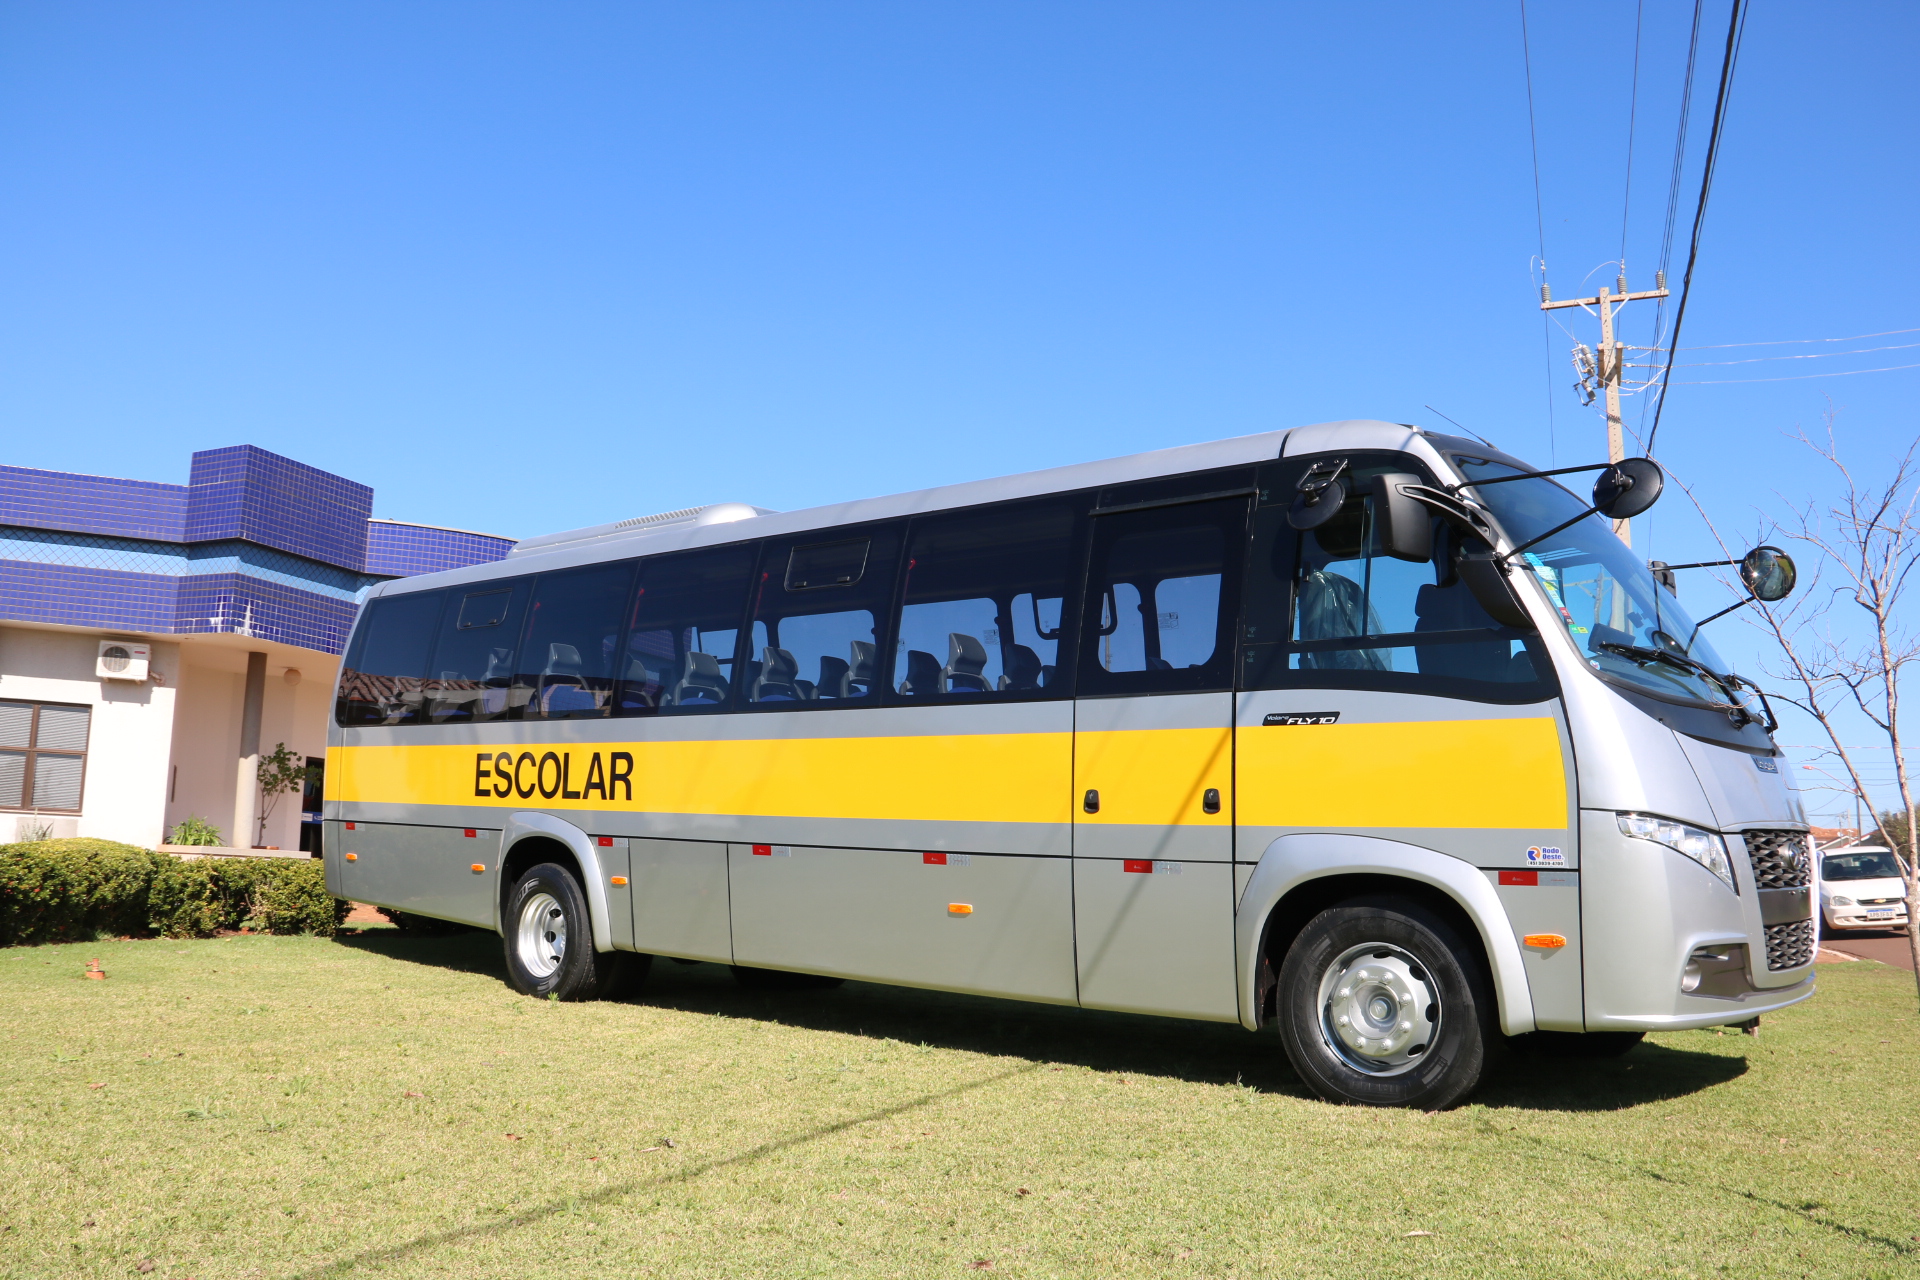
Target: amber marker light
{"x": 1547, "y": 940}
{"x": 353, "y": 857}
{"x": 619, "y": 880}
{"x": 959, "y": 908}
{"x": 479, "y": 866}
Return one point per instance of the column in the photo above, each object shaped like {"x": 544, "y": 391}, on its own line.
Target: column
{"x": 246, "y": 791}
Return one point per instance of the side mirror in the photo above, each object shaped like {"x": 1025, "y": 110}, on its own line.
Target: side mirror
{"x": 1768, "y": 573}
{"x": 1403, "y": 524}
{"x": 1320, "y": 497}
{"x": 1486, "y": 579}
{"x": 1627, "y": 488}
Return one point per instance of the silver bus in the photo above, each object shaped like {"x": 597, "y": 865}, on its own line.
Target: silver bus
{"x": 1373, "y": 735}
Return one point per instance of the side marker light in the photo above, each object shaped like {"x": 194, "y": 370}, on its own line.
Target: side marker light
{"x": 959, "y": 908}
{"x": 349, "y": 826}
{"x": 605, "y": 842}
{"x": 1547, "y": 940}
{"x": 353, "y": 857}
{"x": 1137, "y": 866}
{"x": 468, "y": 832}
{"x": 479, "y": 866}
{"x": 618, "y": 879}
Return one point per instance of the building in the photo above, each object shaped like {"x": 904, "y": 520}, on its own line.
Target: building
{"x": 156, "y": 639}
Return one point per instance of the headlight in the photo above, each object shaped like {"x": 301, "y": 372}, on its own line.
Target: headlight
{"x": 1704, "y": 847}
{"x": 1839, "y": 901}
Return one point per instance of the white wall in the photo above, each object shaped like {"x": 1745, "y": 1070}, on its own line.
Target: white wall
{"x": 129, "y": 739}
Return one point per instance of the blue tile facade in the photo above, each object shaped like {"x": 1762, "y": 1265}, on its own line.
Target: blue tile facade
{"x": 254, "y": 544}
{"x": 397, "y": 550}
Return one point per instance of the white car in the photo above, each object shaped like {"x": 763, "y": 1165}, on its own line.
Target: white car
{"x": 1862, "y": 889}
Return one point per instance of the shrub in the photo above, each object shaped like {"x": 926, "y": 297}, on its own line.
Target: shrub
{"x": 194, "y": 831}
{"x": 72, "y": 890}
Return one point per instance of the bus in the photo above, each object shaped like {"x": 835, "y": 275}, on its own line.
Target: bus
{"x": 1375, "y": 737}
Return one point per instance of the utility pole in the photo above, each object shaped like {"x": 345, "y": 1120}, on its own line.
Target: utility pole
{"x": 1610, "y": 360}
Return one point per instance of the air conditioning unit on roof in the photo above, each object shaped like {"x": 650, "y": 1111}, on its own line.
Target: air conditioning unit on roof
{"x": 122, "y": 660}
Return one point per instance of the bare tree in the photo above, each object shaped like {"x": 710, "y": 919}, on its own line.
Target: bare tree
{"x": 1864, "y": 545}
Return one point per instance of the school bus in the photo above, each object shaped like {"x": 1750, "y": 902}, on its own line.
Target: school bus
{"x": 1374, "y": 736}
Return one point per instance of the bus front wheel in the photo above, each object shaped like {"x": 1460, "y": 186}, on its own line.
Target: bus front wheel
{"x": 549, "y": 941}
{"x": 1382, "y": 1003}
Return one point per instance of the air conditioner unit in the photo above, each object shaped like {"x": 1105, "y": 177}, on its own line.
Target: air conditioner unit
{"x": 123, "y": 660}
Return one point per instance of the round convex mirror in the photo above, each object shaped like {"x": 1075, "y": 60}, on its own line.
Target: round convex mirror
{"x": 1314, "y": 507}
{"x": 1627, "y": 488}
{"x": 1768, "y": 573}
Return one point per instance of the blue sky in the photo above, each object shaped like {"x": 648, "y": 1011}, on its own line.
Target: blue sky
{"x": 527, "y": 267}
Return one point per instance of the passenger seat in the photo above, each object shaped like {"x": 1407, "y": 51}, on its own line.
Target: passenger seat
{"x": 835, "y": 680}
{"x": 965, "y": 671}
{"x": 923, "y": 674}
{"x": 862, "y": 674}
{"x": 775, "y": 683}
{"x": 1023, "y": 668}
{"x": 700, "y": 683}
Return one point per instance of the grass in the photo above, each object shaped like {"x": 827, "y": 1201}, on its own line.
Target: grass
{"x": 258, "y": 1106}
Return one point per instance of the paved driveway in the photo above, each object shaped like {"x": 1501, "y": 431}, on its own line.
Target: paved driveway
{"x": 1888, "y": 948}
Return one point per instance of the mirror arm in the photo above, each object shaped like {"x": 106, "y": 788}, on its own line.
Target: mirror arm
{"x": 1539, "y": 538}
{"x": 1448, "y": 505}
{"x": 1704, "y": 564}
{"x": 1694, "y": 634}
{"x": 1527, "y": 475}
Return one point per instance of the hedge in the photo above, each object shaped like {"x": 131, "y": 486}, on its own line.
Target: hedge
{"x": 78, "y": 890}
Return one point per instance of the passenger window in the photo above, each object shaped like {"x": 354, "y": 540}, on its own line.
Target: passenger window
{"x": 816, "y": 612}
{"x": 1348, "y": 615}
{"x": 980, "y": 610}
{"x": 571, "y": 657}
{"x": 384, "y": 677}
{"x": 1161, "y": 597}
{"x": 686, "y": 620}
{"x": 470, "y": 677}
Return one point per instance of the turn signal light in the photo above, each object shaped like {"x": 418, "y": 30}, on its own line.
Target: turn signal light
{"x": 618, "y": 879}
{"x": 1548, "y": 940}
{"x": 959, "y": 908}
{"x": 353, "y": 857}
{"x": 479, "y": 866}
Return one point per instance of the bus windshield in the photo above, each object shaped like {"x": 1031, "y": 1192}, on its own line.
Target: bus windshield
{"x": 1625, "y": 623}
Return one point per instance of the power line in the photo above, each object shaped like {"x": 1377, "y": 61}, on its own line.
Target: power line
{"x": 1673, "y": 182}
{"x": 1810, "y": 355}
{"x": 1540, "y": 227}
{"x": 1798, "y": 377}
{"x": 1633, "y": 113}
{"x": 1736, "y": 27}
{"x": 1787, "y": 342}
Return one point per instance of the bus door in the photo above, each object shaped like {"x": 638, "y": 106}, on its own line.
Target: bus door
{"x": 1153, "y": 761}
{"x": 1378, "y": 699}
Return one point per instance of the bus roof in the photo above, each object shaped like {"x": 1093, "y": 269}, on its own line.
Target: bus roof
{"x": 735, "y": 522}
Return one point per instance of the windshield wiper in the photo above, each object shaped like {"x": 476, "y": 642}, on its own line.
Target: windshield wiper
{"x": 1728, "y": 681}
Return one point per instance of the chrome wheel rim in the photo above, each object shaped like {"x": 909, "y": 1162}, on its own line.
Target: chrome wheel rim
{"x": 1379, "y": 1009}
{"x": 541, "y": 935}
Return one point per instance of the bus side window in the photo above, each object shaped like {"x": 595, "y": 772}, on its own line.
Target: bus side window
{"x": 1161, "y": 597}
{"x": 686, "y": 620}
{"x": 568, "y": 663}
{"x": 472, "y": 669}
{"x": 383, "y": 679}
{"x": 980, "y": 609}
{"x": 817, "y": 607}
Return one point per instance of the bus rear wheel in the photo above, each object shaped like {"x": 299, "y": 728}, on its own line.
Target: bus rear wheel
{"x": 549, "y": 941}
{"x": 1382, "y": 1003}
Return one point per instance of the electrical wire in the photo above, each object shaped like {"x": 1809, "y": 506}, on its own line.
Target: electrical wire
{"x": 1736, "y": 28}
{"x": 1800, "y": 377}
{"x": 1633, "y": 114}
{"x": 1540, "y": 228}
{"x": 1788, "y": 342}
{"x": 1811, "y": 355}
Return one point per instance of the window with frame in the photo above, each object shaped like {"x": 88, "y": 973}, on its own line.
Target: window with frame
{"x": 685, "y": 628}
{"x": 818, "y": 602}
{"x": 43, "y": 755}
{"x": 1328, "y": 608}
{"x": 981, "y": 604}
{"x": 383, "y": 680}
{"x": 570, "y": 658}
{"x": 469, "y": 680}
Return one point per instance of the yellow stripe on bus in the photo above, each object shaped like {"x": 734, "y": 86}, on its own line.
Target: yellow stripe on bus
{"x": 1429, "y": 773}
{"x": 1012, "y": 777}
{"x": 1154, "y": 777}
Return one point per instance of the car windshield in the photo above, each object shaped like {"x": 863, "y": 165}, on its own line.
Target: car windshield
{"x": 1873, "y": 865}
{"x": 1617, "y": 613}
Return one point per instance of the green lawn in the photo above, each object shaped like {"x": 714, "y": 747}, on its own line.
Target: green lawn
{"x": 300, "y": 1107}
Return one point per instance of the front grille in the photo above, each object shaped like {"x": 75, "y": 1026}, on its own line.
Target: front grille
{"x": 1789, "y": 945}
{"x": 1878, "y": 902}
{"x": 1781, "y": 859}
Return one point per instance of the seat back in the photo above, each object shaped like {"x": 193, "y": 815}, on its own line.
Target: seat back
{"x": 923, "y": 674}
{"x": 700, "y": 683}
{"x": 860, "y": 671}
{"x": 775, "y": 683}
{"x": 965, "y": 671}
{"x": 562, "y": 686}
{"x": 834, "y": 678}
{"x": 1023, "y": 668}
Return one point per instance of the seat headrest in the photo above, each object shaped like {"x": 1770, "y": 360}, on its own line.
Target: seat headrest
{"x": 779, "y": 664}
{"x": 562, "y": 660}
{"x": 965, "y": 652}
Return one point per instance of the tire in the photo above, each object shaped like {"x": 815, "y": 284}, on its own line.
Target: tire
{"x": 1589, "y": 1045}
{"x": 549, "y": 942}
{"x": 782, "y": 980}
{"x": 1409, "y": 977}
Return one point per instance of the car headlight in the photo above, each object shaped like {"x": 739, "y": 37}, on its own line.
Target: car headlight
{"x": 1839, "y": 901}
{"x": 1704, "y": 847}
